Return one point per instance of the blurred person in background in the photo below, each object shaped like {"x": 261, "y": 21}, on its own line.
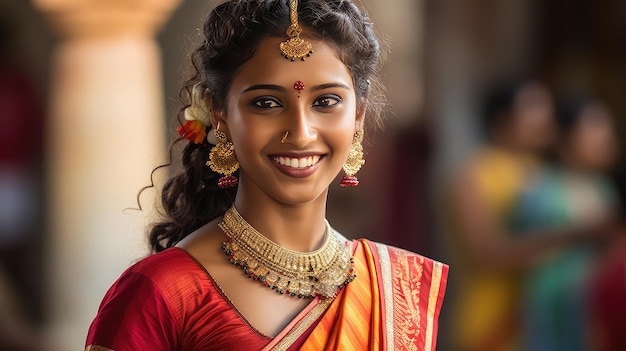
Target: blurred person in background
{"x": 491, "y": 256}
{"x": 608, "y": 284}
{"x": 21, "y": 121}
{"x": 570, "y": 195}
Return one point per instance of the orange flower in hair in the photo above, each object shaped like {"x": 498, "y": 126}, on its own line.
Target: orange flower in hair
{"x": 196, "y": 117}
{"x": 193, "y": 130}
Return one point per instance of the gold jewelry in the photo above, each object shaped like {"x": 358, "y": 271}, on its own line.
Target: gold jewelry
{"x": 222, "y": 160}
{"x": 355, "y": 160}
{"x": 323, "y": 272}
{"x": 282, "y": 141}
{"x": 295, "y": 47}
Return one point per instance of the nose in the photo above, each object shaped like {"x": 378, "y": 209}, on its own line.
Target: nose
{"x": 301, "y": 127}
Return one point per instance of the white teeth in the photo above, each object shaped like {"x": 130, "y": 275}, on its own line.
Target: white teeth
{"x": 303, "y": 162}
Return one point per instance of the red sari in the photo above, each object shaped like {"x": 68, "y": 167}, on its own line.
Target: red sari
{"x": 169, "y": 302}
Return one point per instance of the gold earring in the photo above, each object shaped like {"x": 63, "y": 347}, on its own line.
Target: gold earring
{"x": 222, "y": 160}
{"x": 354, "y": 162}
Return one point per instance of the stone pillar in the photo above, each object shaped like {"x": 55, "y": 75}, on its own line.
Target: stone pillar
{"x": 401, "y": 26}
{"x": 105, "y": 134}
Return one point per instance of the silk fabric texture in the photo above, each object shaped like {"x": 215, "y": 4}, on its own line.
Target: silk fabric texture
{"x": 168, "y": 301}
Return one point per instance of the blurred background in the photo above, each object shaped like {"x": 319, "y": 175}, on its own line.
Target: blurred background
{"x": 502, "y": 155}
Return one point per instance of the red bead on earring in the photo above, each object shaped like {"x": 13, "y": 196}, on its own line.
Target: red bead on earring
{"x": 226, "y": 182}
{"x": 349, "y": 181}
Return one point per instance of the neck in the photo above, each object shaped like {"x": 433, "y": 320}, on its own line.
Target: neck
{"x": 511, "y": 147}
{"x": 297, "y": 227}
{"x": 573, "y": 164}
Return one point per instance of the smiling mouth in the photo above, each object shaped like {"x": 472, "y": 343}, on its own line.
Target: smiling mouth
{"x": 297, "y": 162}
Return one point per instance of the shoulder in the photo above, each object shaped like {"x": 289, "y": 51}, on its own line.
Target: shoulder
{"x": 150, "y": 302}
{"x": 396, "y": 252}
{"x": 413, "y": 288}
{"x": 159, "y": 277}
{"x": 477, "y": 168}
{"x": 403, "y": 264}
{"x": 163, "y": 266}
{"x": 484, "y": 157}
{"x": 173, "y": 274}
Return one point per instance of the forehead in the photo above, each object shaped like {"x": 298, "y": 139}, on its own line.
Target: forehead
{"x": 267, "y": 66}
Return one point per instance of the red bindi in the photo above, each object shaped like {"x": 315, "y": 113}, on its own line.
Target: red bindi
{"x": 298, "y": 85}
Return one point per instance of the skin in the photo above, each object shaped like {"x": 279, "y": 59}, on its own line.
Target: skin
{"x": 530, "y": 129}
{"x": 286, "y": 205}
{"x": 591, "y": 146}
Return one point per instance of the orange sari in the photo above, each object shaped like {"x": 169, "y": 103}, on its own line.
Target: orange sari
{"x": 169, "y": 302}
{"x": 393, "y": 304}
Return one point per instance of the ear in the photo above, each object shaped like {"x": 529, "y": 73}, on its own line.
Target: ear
{"x": 219, "y": 119}
{"x": 360, "y": 117}
{"x": 216, "y": 114}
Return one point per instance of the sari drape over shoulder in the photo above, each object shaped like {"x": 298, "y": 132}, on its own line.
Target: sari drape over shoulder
{"x": 393, "y": 304}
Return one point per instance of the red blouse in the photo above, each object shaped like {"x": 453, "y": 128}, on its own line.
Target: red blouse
{"x": 168, "y": 301}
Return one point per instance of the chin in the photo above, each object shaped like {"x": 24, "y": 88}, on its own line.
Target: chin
{"x": 301, "y": 196}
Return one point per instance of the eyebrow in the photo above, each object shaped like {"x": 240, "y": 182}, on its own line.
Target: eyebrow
{"x": 329, "y": 85}
{"x": 266, "y": 87}
{"x": 283, "y": 89}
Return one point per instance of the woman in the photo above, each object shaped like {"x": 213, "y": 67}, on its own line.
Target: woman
{"x": 493, "y": 254}
{"x": 574, "y": 193}
{"x": 518, "y": 126}
{"x": 283, "y": 114}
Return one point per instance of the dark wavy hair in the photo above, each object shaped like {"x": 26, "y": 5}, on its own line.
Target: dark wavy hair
{"x": 231, "y": 34}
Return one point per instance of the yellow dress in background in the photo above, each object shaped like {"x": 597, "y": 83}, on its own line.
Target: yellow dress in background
{"x": 485, "y": 314}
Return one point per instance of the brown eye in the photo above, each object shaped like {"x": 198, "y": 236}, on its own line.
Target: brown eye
{"x": 327, "y": 101}
{"x": 266, "y": 103}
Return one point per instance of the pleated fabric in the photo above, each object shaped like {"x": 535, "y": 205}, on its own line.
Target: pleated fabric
{"x": 393, "y": 304}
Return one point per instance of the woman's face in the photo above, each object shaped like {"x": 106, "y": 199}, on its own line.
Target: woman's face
{"x": 592, "y": 141}
{"x": 263, "y": 104}
{"x": 534, "y": 118}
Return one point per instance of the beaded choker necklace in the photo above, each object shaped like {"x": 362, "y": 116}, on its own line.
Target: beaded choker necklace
{"x": 323, "y": 272}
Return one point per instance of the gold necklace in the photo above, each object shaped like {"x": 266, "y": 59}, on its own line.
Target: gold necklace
{"x": 323, "y": 272}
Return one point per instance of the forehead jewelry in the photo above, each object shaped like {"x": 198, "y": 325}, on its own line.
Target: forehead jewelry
{"x": 295, "y": 47}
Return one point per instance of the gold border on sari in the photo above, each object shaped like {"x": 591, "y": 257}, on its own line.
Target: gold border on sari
{"x": 432, "y": 303}
{"x": 97, "y": 348}
{"x": 303, "y": 325}
{"x": 385, "y": 268}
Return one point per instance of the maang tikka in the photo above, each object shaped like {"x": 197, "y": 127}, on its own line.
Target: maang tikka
{"x": 222, "y": 160}
{"x": 295, "y": 47}
{"x": 355, "y": 160}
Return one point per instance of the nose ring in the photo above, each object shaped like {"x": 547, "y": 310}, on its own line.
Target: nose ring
{"x": 282, "y": 141}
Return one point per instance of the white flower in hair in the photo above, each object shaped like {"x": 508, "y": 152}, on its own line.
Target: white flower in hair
{"x": 198, "y": 110}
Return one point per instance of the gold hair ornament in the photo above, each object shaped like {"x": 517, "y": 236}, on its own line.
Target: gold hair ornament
{"x": 295, "y": 47}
